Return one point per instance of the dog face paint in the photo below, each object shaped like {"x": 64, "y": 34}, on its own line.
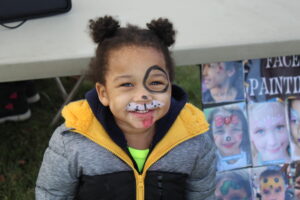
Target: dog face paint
{"x": 155, "y": 81}
{"x": 144, "y": 107}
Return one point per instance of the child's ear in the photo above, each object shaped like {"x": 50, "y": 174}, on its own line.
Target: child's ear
{"x": 102, "y": 94}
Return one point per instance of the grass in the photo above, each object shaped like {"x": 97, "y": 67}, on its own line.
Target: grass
{"x": 22, "y": 144}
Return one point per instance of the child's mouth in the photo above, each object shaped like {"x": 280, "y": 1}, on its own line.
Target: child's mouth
{"x": 142, "y": 113}
{"x": 228, "y": 145}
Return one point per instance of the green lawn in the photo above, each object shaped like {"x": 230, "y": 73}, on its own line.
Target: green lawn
{"x": 22, "y": 144}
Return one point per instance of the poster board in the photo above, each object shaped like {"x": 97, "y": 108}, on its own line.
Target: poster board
{"x": 267, "y": 93}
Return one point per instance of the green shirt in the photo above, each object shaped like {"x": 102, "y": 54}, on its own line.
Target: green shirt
{"x": 139, "y": 156}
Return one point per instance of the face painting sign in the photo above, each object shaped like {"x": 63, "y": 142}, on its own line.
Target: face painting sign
{"x": 277, "y": 77}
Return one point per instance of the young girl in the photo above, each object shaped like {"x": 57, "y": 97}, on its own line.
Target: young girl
{"x": 268, "y": 133}
{"x": 223, "y": 82}
{"x": 230, "y": 132}
{"x": 134, "y": 136}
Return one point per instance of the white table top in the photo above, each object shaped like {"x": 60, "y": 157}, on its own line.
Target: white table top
{"x": 207, "y": 31}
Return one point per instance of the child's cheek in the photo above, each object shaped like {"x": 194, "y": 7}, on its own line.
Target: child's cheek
{"x": 240, "y": 137}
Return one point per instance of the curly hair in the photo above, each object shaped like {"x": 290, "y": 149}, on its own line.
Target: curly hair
{"x": 107, "y": 33}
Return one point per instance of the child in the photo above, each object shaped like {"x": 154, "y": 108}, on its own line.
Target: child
{"x": 272, "y": 185}
{"x": 268, "y": 133}
{"x": 134, "y": 136}
{"x": 223, "y": 81}
{"x": 294, "y": 117}
{"x": 233, "y": 185}
{"x": 230, "y": 132}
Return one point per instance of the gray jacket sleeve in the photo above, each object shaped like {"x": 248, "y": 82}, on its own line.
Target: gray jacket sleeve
{"x": 201, "y": 183}
{"x": 57, "y": 177}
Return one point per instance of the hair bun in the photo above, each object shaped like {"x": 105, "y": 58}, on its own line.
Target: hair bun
{"x": 103, "y": 27}
{"x": 163, "y": 28}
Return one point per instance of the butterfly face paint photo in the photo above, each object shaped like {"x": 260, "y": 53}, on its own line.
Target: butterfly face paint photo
{"x": 137, "y": 88}
{"x": 227, "y": 132}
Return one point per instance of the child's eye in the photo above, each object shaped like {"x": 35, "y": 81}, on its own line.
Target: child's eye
{"x": 126, "y": 85}
{"x": 293, "y": 121}
{"x": 156, "y": 83}
{"x": 235, "y": 130}
{"x": 280, "y": 127}
{"x": 259, "y": 132}
{"x": 219, "y": 132}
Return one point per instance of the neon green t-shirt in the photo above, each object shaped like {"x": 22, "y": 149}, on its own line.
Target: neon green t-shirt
{"x": 139, "y": 156}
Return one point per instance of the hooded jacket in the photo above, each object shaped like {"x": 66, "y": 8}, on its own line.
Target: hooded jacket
{"x": 86, "y": 158}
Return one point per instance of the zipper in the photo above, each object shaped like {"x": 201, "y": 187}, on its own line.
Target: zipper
{"x": 140, "y": 187}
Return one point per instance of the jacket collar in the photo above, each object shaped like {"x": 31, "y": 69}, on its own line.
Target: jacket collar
{"x": 105, "y": 117}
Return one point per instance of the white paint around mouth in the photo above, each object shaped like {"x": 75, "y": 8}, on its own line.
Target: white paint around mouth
{"x": 144, "y": 107}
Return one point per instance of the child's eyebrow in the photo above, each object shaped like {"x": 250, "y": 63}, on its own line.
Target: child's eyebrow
{"x": 122, "y": 77}
{"x": 158, "y": 75}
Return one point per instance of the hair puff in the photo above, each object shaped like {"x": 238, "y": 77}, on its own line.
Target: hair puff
{"x": 163, "y": 28}
{"x": 103, "y": 27}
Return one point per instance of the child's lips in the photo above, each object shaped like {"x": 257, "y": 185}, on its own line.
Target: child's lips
{"x": 274, "y": 150}
{"x": 228, "y": 145}
{"x": 142, "y": 114}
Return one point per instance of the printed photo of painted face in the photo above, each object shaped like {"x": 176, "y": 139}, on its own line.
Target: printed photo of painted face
{"x": 233, "y": 186}
{"x": 272, "y": 185}
{"x": 222, "y": 82}
{"x": 296, "y": 180}
{"x": 294, "y": 120}
{"x": 230, "y": 133}
{"x": 268, "y": 133}
{"x": 297, "y": 187}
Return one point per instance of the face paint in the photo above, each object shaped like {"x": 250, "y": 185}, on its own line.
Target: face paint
{"x": 220, "y": 120}
{"x": 156, "y": 80}
{"x": 274, "y": 183}
{"x": 144, "y": 107}
{"x": 227, "y": 185}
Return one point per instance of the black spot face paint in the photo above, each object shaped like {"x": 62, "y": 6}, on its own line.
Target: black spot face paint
{"x": 144, "y": 97}
{"x": 228, "y": 138}
{"x": 156, "y": 80}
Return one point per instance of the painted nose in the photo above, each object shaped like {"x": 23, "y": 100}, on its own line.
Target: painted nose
{"x": 227, "y": 136}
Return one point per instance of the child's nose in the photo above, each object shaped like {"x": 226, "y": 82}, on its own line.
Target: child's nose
{"x": 143, "y": 95}
{"x": 272, "y": 140}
